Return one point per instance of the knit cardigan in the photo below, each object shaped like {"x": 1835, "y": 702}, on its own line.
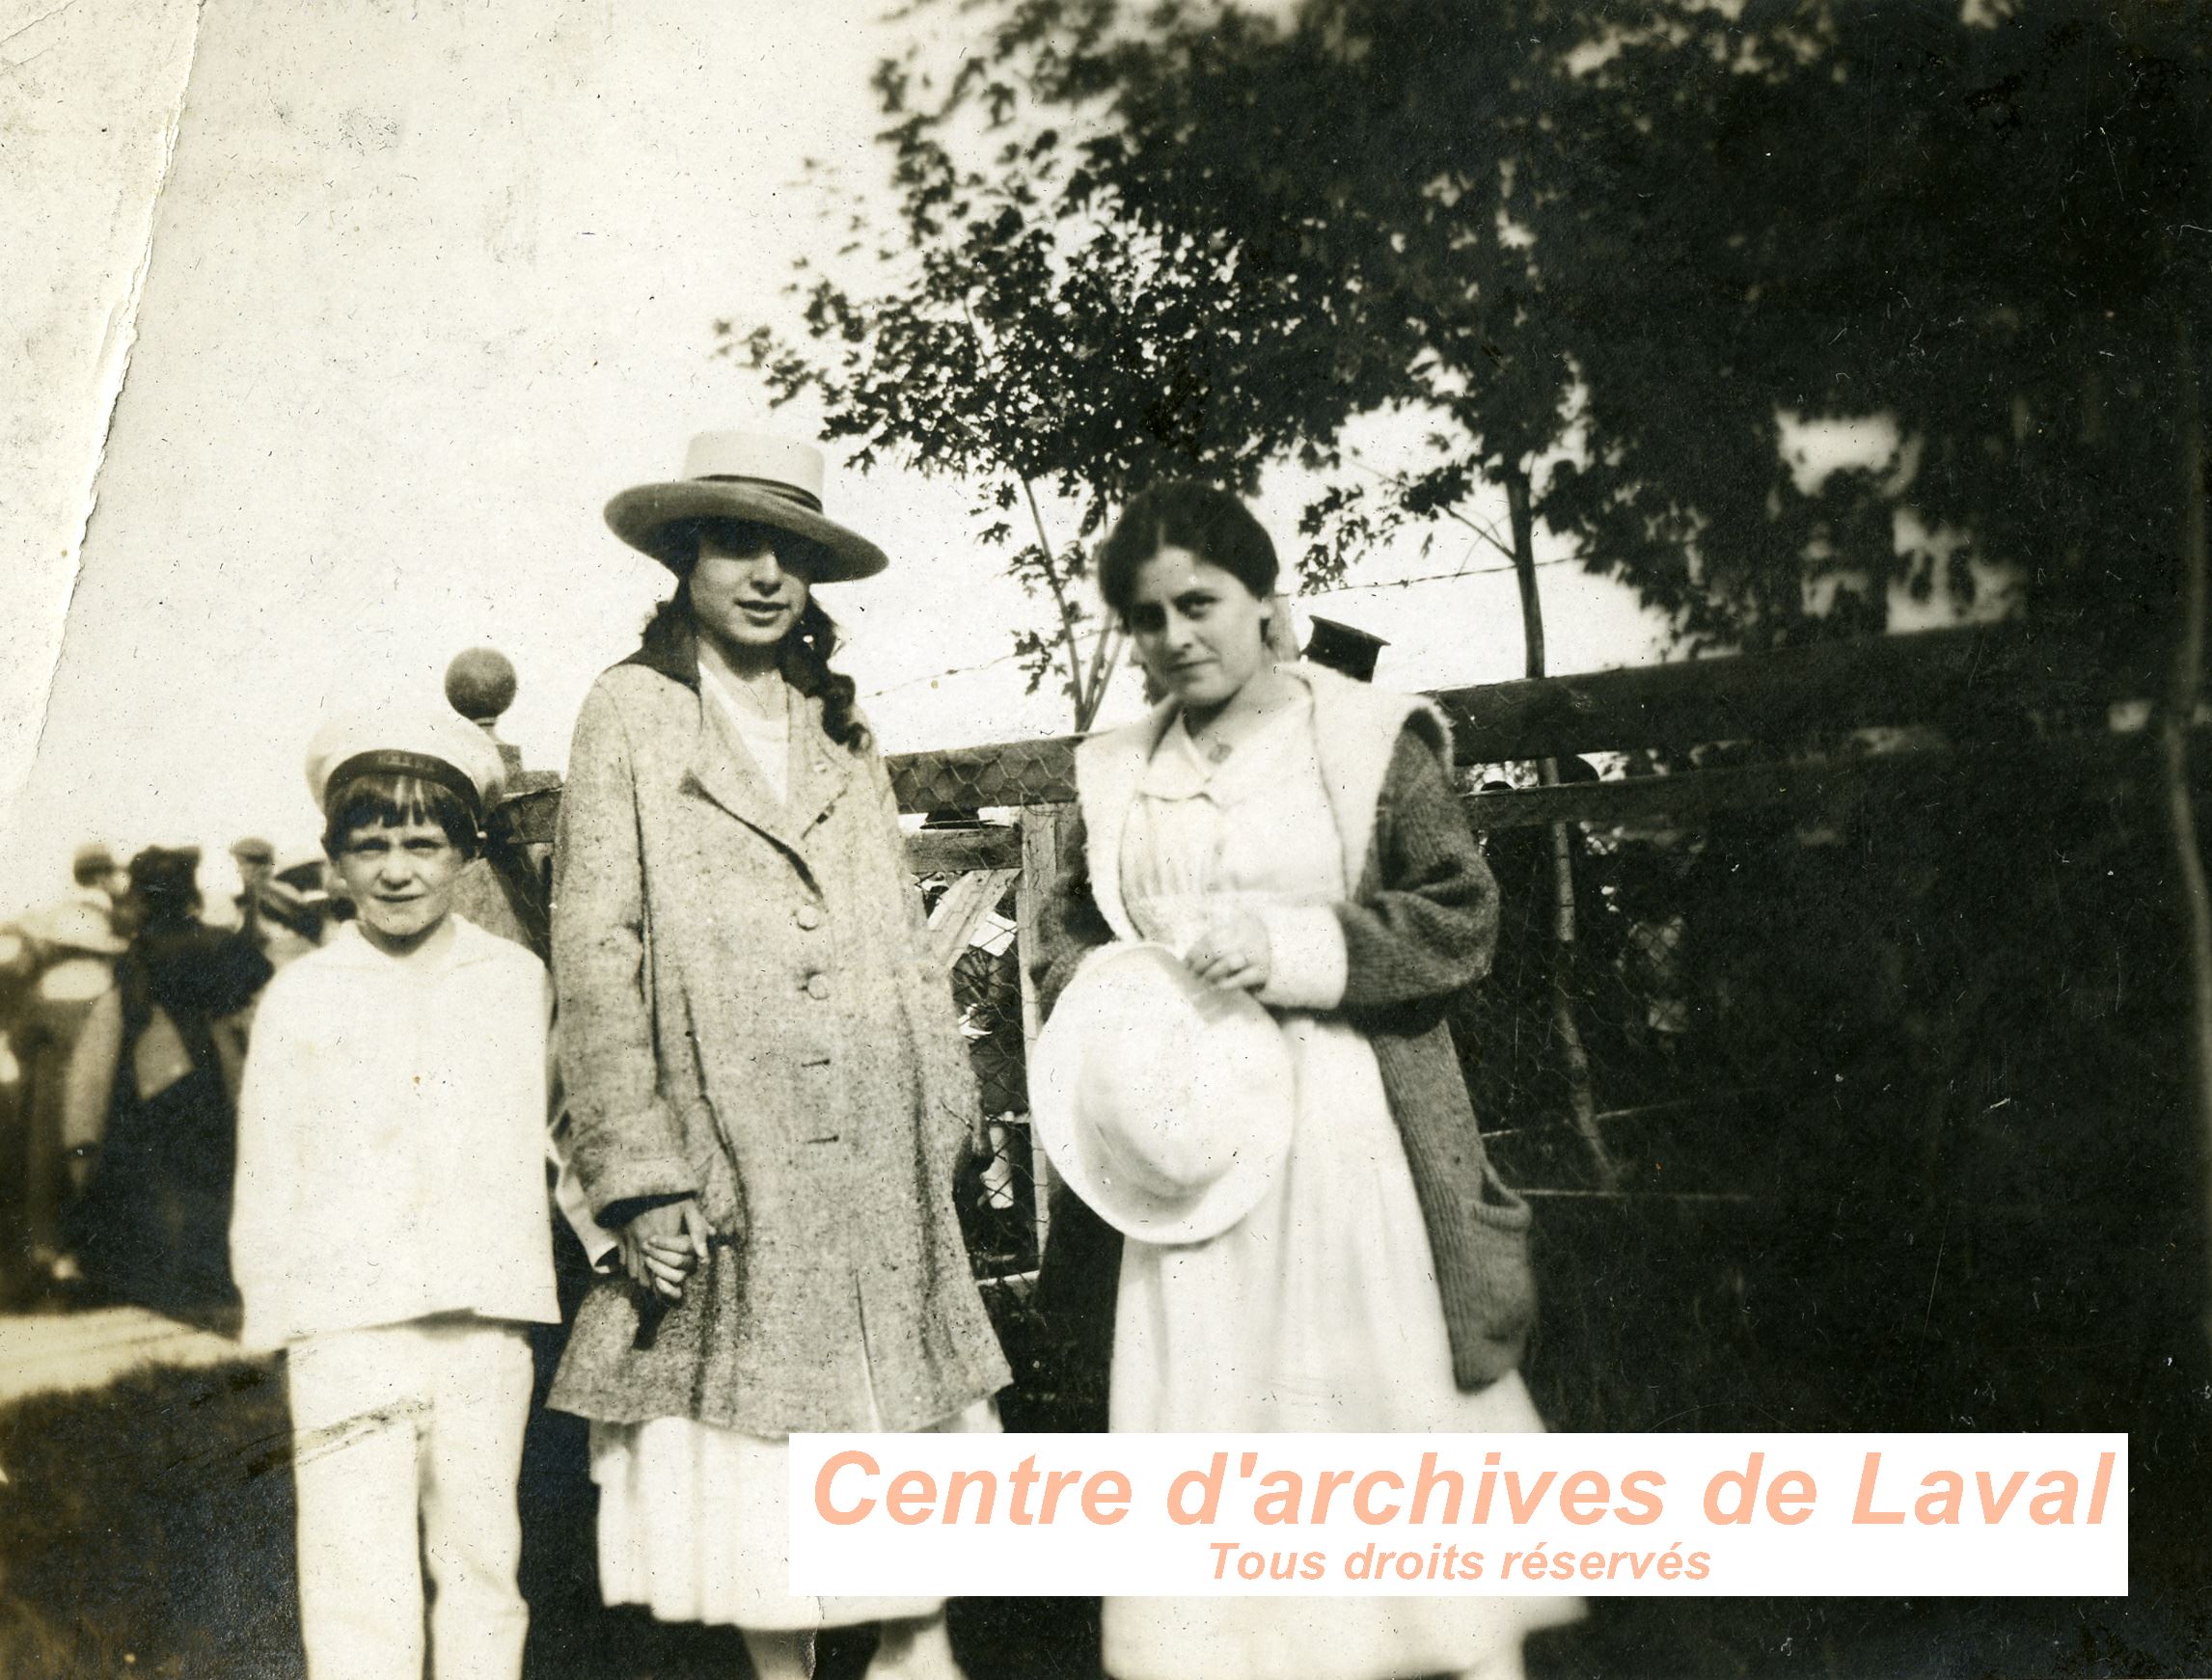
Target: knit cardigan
{"x": 1420, "y": 927}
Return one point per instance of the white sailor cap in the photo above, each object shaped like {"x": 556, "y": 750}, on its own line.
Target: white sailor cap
{"x": 428, "y": 742}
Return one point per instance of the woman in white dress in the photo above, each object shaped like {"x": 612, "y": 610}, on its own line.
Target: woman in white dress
{"x": 1296, "y": 834}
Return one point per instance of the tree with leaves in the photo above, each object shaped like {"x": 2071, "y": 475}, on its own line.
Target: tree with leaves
{"x": 1382, "y": 191}
{"x": 1612, "y": 257}
{"x": 1025, "y": 335}
{"x": 1968, "y": 222}
{"x": 1618, "y": 255}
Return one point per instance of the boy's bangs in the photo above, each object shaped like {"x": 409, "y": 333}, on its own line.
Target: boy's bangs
{"x": 391, "y": 799}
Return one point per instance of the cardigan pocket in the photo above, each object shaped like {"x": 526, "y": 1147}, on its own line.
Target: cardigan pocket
{"x": 1499, "y": 1205}
{"x": 1495, "y": 1234}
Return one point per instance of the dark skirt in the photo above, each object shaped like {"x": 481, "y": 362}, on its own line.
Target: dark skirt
{"x": 153, "y": 1226}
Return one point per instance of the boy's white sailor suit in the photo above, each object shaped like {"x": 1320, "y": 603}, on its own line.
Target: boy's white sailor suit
{"x": 391, "y": 1231}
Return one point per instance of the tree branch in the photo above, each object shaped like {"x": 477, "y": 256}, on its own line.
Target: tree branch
{"x": 1054, "y": 582}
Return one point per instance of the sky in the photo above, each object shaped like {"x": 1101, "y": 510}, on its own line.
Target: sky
{"x": 333, "y": 328}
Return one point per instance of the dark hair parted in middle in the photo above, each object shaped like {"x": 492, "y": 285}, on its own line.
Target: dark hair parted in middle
{"x": 390, "y": 799}
{"x": 805, "y": 656}
{"x": 1181, "y": 513}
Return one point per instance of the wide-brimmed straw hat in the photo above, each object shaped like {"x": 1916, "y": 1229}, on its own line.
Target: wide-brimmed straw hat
{"x": 751, "y": 476}
{"x": 1165, "y": 1103}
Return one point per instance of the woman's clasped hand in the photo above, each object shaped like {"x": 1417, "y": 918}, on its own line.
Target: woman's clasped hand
{"x": 1232, "y": 952}
{"x": 663, "y": 1246}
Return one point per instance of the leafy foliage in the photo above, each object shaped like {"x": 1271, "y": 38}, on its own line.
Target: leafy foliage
{"x": 1976, "y": 229}
{"x": 1613, "y": 257}
{"x": 1035, "y": 339}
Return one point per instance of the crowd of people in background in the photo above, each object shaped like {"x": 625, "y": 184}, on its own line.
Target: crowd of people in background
{"x": 125, "y": 1005}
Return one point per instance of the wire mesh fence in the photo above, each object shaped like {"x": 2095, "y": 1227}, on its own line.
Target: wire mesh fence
{"x": 1004, "y": 1190}
{"x": 1835, "y": 1030}
{"x": 1883, "y": 1125}
{"x": 1846, "y": 1073}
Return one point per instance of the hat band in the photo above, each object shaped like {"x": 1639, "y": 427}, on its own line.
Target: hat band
{"x": 391, "y": 761}
{"x": 805, "y": 499}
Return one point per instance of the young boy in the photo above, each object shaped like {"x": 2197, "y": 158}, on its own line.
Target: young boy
{"x": 390, "y": 1230}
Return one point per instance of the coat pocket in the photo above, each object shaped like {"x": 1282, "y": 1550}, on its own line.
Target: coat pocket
{"x": 722, "y": 1194}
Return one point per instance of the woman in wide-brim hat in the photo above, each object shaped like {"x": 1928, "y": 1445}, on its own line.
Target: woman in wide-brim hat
{"x": 1294, "y": 837}
{"x": 767, "y": 1094}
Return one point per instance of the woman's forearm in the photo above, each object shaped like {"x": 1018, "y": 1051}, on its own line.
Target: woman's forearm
{"x": 1429, "y": 929}
{"x": 624, "y": 1140}
{"x": 1070, "y": 925}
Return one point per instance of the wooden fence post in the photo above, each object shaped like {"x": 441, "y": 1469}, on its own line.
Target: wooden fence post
{"x": 1043, "y": 827}
{"x": 2185, "y": 687}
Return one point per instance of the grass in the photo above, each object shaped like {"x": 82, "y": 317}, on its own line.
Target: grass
{"x": 146, "y": 1531}
{"x": 148, "y": 1528}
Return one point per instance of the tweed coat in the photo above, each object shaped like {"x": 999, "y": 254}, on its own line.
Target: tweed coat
{"x": 745, "y": 1016}
{"x": 1420, "y": 928}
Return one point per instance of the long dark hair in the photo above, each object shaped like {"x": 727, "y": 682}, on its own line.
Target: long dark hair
{"x": 804, "y": 655}
{"x": 804, "y": 659}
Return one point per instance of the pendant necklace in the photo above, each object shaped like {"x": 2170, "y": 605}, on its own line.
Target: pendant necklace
{"x": 1215, "y": 752}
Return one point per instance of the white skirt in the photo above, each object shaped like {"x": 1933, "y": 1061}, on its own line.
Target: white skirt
{"x": 1319, "y": 1311}
{"x": 694, "y": 1524}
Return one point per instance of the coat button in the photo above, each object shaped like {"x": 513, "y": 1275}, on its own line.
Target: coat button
{"x": 817, "y": 987}
{"x": 808, "y": 916}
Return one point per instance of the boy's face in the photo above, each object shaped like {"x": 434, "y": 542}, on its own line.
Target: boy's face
{"x": 401, "y": 876}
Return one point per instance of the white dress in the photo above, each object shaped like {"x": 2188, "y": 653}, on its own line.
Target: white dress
{"x": 694, "y": 1524}
{"x": 1320, "y": 1310}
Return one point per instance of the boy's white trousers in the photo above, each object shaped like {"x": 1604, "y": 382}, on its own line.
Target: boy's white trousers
{"x": 418, "y": 1421}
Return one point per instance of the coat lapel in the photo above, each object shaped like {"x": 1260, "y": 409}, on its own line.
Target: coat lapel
{"x": 717, "y": 763}
{"x": 817, "y": 773}
{"x": 820, "y": 769}
{"x": 719, "y": 767}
